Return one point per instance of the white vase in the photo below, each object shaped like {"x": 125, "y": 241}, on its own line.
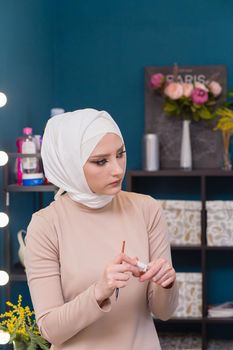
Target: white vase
{"x": 21, "y": 234}
{"x": 186, "y": 151}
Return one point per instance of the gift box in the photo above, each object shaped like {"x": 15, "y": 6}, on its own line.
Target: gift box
{"x": 183, "y": 220}
{"x": 219, "y": 223}
{"x": 220, "y": 345}
{"x": 180, "y": 342}
{"x": 190, "y": 294}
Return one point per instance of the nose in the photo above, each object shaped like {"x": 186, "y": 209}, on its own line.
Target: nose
{"x": 116, "y": 169}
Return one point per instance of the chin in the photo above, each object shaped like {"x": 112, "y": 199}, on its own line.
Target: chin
{"x": 112, "y": 191}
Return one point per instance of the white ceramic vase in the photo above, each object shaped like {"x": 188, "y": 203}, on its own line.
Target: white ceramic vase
{"x": 22, "y": 245}
{"x": 186, "y": 151}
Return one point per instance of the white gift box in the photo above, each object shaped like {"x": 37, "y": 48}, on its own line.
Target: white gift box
{"x": 190, "y": 294}
{"x": 180, "y": 342}
{"x": 220, "y": 345}
{"x": 183, "y": 220}
{"x": 219, "y": 223}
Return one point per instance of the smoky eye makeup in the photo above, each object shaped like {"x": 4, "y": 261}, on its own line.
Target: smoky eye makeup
{"x": 102, "y": 159}
{"x": 99, "y": 162}
{"x": 121, "y": 153}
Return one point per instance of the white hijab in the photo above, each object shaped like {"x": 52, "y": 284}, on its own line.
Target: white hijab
{"x": 68, "y": 141}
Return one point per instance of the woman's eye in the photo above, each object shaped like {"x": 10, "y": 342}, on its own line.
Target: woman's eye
{"x": 120, "y": 154}
{"x": 101, "y": 162}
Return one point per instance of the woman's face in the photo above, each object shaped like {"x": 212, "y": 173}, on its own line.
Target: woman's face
{"x": 105, "y": 168}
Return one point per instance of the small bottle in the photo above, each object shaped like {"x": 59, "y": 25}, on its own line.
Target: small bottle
{"x": 56, "y": 111}
{"x": 18, "y": 165}
{"x": 151, "y": 152}
{"x": 30, "y": 165}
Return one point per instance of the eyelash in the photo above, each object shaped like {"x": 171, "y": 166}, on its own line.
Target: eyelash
{"x": 102, "y": 162}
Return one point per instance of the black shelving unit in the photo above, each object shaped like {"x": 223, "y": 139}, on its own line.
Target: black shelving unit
{"x": 17, "y": 274}
{"x": 189, "y": 185}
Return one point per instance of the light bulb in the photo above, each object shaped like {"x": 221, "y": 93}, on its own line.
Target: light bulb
{"x": 4, "y": 337}
{"x": 3, "y": 99}
{"x": 3, "y": 158}
{"x": 4, "y": 278}
{"x": 4, "y": 219}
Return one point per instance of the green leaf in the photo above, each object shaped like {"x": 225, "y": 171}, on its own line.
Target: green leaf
{"x": 170, "y": 108}
{"x": 211, "y": 103}
{"x": 205, "y": 114}
{"x": 37, "y": 340}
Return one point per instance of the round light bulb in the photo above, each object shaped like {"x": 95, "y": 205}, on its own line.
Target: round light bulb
{"x": 3, "y": 158}
{"x": 4, "y": 219}
{"x": 3, "y": 99}
{"x": 4, "y": 337}
{"x": 4, "y": 278}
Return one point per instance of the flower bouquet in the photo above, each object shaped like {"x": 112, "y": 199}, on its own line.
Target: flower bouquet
{"x": 193, "y": 101}
{"x": 19, "y": 322}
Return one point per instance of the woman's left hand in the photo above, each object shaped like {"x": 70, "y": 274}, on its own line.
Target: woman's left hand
{"x": 160, "y": 272}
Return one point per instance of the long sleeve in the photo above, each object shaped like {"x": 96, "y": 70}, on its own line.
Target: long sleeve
{"x": 162, "y": 301}
{"x": 58, "y": 320}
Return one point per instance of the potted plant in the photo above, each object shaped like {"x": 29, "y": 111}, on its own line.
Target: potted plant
{"x": 225, "y": 124}
{"x": 20, "y": 323}
{"x": 192, "y": 101}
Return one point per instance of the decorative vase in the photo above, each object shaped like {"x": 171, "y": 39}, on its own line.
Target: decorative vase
{"x": 19, "y": 345}
{"x": 21, "y": 239}
{"x": 186, "y": 152}
{"x": 226, "y": 145}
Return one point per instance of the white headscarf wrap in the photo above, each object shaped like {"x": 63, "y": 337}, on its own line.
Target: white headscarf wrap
{"x": 68, "y": 141}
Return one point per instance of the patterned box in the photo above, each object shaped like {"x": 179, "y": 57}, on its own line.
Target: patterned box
{"x": 183, "y": 220}
{"x": 220, "y": 345}
{"x": 190, "y": 294}
{"x": 219, "y": 223}
{"x": 180, "y": 342}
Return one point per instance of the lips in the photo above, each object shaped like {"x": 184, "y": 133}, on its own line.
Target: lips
{"x": 115, "y": 183}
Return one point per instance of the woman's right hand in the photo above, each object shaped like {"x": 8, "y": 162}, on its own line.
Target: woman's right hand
{"x": 115, "y": 275}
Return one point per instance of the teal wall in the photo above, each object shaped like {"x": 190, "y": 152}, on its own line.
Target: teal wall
{"x": 26, "y": 66}
{"x": 103, "y": 46}
{"x": 26, "y": 77}
{"x": 77, "y": 54}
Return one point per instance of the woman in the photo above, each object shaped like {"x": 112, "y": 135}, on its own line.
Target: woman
{"x": 73, "y": 261}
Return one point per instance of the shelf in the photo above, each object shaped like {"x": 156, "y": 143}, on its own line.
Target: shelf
{"x": 17, "y": 273}
{"x": 23, "y": 155}
{"x": 190, "y": 320}
{"x": 20, "y": 277}
{"x": 216, "y": 320}
{"x": 200, "y": 248}
{"x": 185, "y": 248}
{"x": 219, "y": 248}
{"x": 201, "y": 185}
{"x": 181, "y": 320}
{"x": 41, "y": 188}
{"x": 179, "y": 172}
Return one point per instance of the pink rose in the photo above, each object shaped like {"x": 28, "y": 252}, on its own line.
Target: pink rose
{"x": 187, "y": 89}
{"x": 157, "y": 80}
{"x": 200, "y": 86}
{"x": 199, "y": 96}
{"x": 174, "y": 91}
{"x": 215, "y": 88}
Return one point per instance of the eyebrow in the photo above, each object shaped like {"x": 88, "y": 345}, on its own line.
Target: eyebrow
{"x": 106, "y": 155}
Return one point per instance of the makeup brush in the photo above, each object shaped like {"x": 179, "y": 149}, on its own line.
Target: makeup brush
{"x": 122, "y": 251}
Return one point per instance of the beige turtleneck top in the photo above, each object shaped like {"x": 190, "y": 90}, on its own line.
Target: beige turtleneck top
{"x": 68, "y": 246}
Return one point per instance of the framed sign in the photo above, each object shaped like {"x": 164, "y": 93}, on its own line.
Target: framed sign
{"x": 207, "y": 146}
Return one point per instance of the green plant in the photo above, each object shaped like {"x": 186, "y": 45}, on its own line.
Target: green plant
{"x": 225, "y": 121}
{"x": 20, "y": 323}
{"x": 225, "y": 124}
